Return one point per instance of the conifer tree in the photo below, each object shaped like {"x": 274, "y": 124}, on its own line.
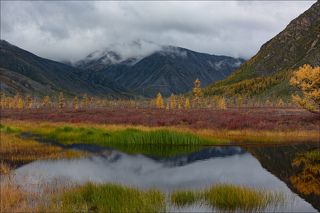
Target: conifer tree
{"x": 75, "y": 103}
{"x": 20, "y": 102}
{"x": 61, "y": 101}
{"x": 85, "y": 101}
{"x": 46, "y": 101}
{"x": 197, "y": 92}
{"x": 173, "y": 103}
{"x": 3, "y": 100}
{"x": 159, "y": 101}
{"x": 187, "y": 104}
{"x": 29, "y": 102}
{"x": 222, "y": 104}
{"x": 280, "y": 103}
{"x": 239, "y": 101}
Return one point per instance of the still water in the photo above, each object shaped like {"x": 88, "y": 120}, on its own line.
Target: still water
{"x": 260, "y": 167}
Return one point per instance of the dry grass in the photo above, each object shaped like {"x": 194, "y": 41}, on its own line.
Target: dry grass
{"x": 16, "y": 151}
{"x": 12, "y": 198}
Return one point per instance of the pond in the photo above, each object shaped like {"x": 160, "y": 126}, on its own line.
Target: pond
{"x": 265, "y": 167}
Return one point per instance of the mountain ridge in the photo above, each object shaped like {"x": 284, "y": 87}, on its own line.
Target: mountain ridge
{"x": 34, "y": 72}
{"x": 297, "y": 44}
{"x": 168, "y": 70}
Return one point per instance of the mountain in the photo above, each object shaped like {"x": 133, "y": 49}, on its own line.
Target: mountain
{"x": 168, "y": 70}
{"x": 26, "y": 73}
{"x": 267, "y": 73}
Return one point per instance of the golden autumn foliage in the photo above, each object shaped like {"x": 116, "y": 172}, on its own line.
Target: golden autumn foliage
{"x": 307, "y": 79}
{"x": 159, "y": 101}
{"x": 29, "y": 102}
{"x": 196, "y": 91}
{"x": 187, "y": 104}
{"x": 221, "y": 104}
{"x": 19, "y": 102}
{"x": 173, "y": 102}
{"x": 46, "y": 102}
{"x": 61, "y": 101}
{"x": 307, "y": 181}
{"x": 75, "y": 103}
{"x": 85, "y": 101}
{"x": 280, "y": 103}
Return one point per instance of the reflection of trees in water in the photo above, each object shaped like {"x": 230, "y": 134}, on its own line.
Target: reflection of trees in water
{"x": 297, "y": 165}
{"x": 307, "y": 180}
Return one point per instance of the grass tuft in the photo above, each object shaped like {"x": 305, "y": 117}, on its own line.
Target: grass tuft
{"x": 184, "y": 198}
{"x": 228, "y": 197}
{"x": 231, "y": 198}
{"x": 110, "y": 198}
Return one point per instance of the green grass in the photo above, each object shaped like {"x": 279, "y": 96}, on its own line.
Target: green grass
{"x": 69, "y": 135}
{"x": 231, "y": 197}
{"x": 7, "y": 129}
{"x": 163, "y": 151}
{"x": 156, "y": 143}
{"x": 184, "y": 198}
{"x": 109, "y": 198}
{"x": 228, "y": 197}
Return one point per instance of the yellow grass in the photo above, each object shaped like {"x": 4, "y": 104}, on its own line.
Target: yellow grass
{"x": 15, "y": 150}
{"x": 12, "y": 198}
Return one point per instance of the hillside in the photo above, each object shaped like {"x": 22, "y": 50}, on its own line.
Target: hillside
{"x": 266, "y": 74}
{"x": 26, "y": 73}
{"x": 169, "y": 70}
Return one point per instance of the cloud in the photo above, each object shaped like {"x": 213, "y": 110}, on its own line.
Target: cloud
{"x": 69, "y": 30}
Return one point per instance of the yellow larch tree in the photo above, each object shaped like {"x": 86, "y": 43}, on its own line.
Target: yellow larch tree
{"x": 29, "y": 102}
{"x": 46, "y": 101}
{"x": 61, "y": 101}
{"x": 307, "y": 79}
{"x": 187, "y": 104}
{"x": 173, "y": 102}
{"x": 159, "y": 101}
{"x": 75, "y": 103}
{"x": 222, "y": 103}
{"x": 85, "y": 101}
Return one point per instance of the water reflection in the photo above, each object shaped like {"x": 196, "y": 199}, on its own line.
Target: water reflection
{"x": 195, "y": 170}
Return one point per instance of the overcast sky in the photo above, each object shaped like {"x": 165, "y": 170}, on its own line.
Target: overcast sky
{"x": 69, "y": 30}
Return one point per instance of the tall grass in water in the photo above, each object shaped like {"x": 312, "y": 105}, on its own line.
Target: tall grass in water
{"x": 110, "y": 198}
{"x": 228, "y": 197}
{"x": 128, "y": 136}
{"x": 231, "y": 197}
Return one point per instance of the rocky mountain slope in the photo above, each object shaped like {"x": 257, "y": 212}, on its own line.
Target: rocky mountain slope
{"x": 169, "y": 70}
{"x": 269, "y": 69}
{"x": 26, "y": 73}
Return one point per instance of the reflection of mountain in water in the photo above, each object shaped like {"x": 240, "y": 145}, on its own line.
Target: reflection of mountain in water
{"x": 204, "y": 154}
{"x": 279, "y": 159}
{"x": 184, "y": 159}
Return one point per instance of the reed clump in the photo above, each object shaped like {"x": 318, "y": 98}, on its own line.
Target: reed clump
{"x": 128, "y": 136}
{"x": 184, "y": 198}
{"x": 228, "y": 197}
{"x": 110, "y": 198}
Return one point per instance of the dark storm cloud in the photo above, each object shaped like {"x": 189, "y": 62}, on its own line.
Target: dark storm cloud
{"x": 70, "y": 29}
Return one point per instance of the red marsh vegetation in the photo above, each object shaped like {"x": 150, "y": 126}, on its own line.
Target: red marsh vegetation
{"x": 259, "y": 118}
